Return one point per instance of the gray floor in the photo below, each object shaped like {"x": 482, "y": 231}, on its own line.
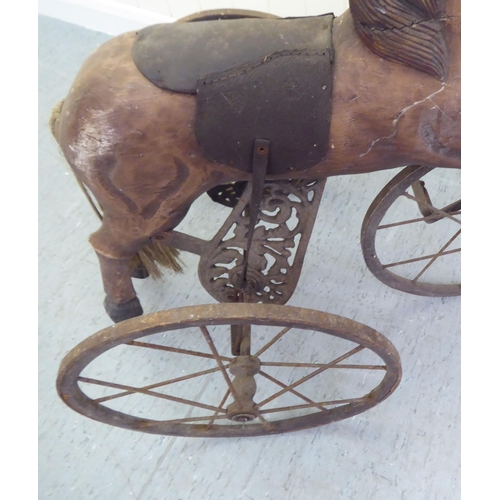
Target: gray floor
{"x": 408, "y": 447}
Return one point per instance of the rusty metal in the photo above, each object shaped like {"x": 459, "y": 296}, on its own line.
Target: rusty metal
{"x": 287, "y": 215}
{"x": 284, "y": 225}
{"x": 189, "y": 352}
{"x": 182, "y": 241}
{"x": 259, "y": 170}
{"x": 240, "y": 340}
{"x": 227, "y": 194}
{"x": 311, "y": 375}
{"x": 225, "y": 420}
{"x": 433, "y": 214}
{"x": 385, "y": 272}
{"x": 244, "y": 369}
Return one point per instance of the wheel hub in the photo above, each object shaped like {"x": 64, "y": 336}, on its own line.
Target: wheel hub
{"x": 243, "y": 409}
{"x": 243, "y": 418}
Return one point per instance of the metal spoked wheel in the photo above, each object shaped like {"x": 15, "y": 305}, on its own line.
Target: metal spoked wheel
{"x": 411, "y": 233}
{"x": 174, "y": 373}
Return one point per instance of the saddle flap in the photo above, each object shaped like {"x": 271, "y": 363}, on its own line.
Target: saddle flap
{"x": 284, "y": 98}
{"x": 173, "y": 56}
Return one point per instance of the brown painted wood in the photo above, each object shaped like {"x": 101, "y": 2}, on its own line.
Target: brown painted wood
{"x": 133, "y": 145}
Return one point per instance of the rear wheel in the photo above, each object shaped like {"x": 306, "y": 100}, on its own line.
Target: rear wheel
{"x": 410, "y": 236}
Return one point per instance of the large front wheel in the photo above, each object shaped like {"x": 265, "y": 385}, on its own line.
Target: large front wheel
{"x": 174, "y": 372}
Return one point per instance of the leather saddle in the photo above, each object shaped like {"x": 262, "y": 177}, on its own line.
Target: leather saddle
{"x": 255, "y": 79}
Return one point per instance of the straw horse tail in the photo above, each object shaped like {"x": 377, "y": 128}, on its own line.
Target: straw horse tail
{"x": 56, "y": 113}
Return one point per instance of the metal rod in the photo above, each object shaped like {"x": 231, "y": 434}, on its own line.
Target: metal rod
{"x": 319, "y": 365}
{"x": 323, "y": 403}
{"x": 311, "y": 375}
{"x": 412, "y": 221}
{"x": 211, "y": 344}
{"x": 221, "y": 405}
{"x": 265, "y": 423}
{"x": 439, "y": 254}
{"x": 293, "y": 391}
{"x": 430, "y": 207}
{"x": 195, "y": 419}
{"x": 138, "y": 390}
{"x": 182, "y": 241}
{"x": 175, "y": 349}
{"x": 159, "y": 384}
{"x": 259, "y": 169}
{"x": 425, "y": 257}
{"x": 273, "y": 340}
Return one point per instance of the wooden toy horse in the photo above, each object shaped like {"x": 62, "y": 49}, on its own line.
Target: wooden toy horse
{"x": 146, "y": 130}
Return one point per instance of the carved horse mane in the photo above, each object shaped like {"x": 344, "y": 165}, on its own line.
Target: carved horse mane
{"x": 409, "y": 32}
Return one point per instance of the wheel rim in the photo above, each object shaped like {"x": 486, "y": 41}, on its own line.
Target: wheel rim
{"x": 290, "y": 403}
{"x": 430, "y": 264}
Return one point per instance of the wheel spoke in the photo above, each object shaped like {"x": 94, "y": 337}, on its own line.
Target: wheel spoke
{"x": 221, "y": 405}
{"x": 273, "y": 341}
{"x": 218, "y": 359}
{"x": 146, "y": 392}
{"x": 433, "y": 209}
{"x": 323, "y": 403}
{"x": 175, "y": 349}
{"x": 187, "y": 420}
{"x": 320, "y": 365}
{"x": 311, "y": 375}
{"x": 413, "y": 221}
{"x": 439, "y": 254}
{"x": 265, "y": 423}
{"x": 159, "y": 384}
{"x": 293, "y": 391}
{"x": 433, "y": 256}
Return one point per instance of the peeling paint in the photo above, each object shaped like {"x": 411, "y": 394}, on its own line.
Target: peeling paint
{"x": 96, "y": 138}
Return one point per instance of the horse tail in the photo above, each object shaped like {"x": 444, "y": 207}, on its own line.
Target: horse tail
{"x": 56, "y": 113}
{"x": 409, "y": 32}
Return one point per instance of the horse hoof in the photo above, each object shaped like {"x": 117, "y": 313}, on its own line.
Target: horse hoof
{"x": 121, "y": 312}
{"x": 140, "y": 272}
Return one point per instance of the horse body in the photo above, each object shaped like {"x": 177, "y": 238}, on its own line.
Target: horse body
{"x": 133, "y": 144}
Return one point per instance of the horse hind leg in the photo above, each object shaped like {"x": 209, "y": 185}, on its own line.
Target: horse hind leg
{"x": 121, "y": 301}
{"x": 120, "y": 260}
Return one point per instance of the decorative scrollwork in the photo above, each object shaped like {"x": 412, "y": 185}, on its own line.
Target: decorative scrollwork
{"x": 286, "y": 217}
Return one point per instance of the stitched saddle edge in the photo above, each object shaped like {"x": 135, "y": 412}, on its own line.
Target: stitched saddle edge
{"x": 249, "y": 66}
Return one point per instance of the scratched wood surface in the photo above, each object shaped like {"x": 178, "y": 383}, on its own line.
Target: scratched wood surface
{"x": 278, "y": 7}
{"x": 406, "y": 448}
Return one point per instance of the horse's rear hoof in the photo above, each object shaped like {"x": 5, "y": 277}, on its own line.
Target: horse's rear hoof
{"x": 121, "y": 312}
{"x": 140, "y": 272}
